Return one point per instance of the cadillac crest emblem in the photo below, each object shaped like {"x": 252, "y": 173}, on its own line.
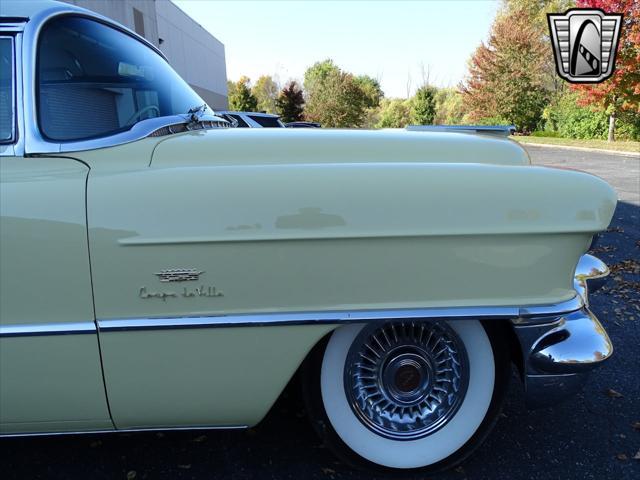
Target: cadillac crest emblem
{"x": 179, "y": 274}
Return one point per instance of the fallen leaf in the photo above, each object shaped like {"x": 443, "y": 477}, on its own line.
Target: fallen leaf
{"x": 200, "y": 439}
{"x": 131, "y": 474}
{"x": 637, "y": 456}
{"x": 328, "y": 471}
{"x": 459, "y": 469}
{"x": 160, "y": 435}
{"x": 95, "y": 444}
{"x": 628, "y": 266}
{"x": 613, "y": 394}
{"x": 622, "y": 456}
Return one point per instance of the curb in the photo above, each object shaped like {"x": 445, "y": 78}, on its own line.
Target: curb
{"x": 585, "y": 149}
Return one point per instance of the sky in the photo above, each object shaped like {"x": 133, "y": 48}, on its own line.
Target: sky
{"x": 400, "y": 43}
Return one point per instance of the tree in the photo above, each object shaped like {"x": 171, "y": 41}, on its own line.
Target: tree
{"x": 506, "y": 76}
{"x": 289, "y": 103}
{"x": 449, "y": 107}
{"x": 266, "y": 91}
{"x": 317, "y": 74}
{"x": 394, "y": 113}
{"x": 231, "y": 88}
{"x": 333, "y": 97}
{"x": 337, "y": 102}
{"x": 423, "y": 105}
{"x": 372, "y": 91}
{"x": 240, "y": 98}
{"x": 620, "y": 94}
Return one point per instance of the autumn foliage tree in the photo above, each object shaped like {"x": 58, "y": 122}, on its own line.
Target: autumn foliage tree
{"x": 290, "y": 102}
{"x": 504, "y": 82}
{"x": 620, "y": 94}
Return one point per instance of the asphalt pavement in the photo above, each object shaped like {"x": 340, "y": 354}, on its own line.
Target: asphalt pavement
{"x": 595, "y": 435}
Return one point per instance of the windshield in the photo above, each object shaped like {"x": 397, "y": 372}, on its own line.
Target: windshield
{"x": 94, "y": 81}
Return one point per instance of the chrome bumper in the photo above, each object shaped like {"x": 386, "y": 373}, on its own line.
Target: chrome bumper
{"x": 560, "y": 351}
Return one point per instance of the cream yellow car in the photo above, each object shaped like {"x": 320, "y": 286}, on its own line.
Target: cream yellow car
{"x": 159, "y": 270}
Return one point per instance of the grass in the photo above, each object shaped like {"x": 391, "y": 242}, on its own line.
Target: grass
{"x": 622, "y": 145}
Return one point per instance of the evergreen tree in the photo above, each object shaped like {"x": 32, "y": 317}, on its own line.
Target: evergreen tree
{"x": 241, "y": 99}
{"x": 423, "y": 106}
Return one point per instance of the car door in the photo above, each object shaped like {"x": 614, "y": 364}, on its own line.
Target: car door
{"x": 50, "y": 371}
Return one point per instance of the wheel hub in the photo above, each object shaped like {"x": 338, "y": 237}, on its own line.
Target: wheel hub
{"x": 405, "y": 380}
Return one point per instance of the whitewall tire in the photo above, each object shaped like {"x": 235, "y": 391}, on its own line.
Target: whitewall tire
{"x": 408, "y": 395}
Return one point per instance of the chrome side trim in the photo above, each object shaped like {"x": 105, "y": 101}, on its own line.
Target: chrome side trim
{"x": 519, "y": 316}
{"x": 335, "y": 317}
{"x": 124, "y": 430}
{"x": 41, "y": 329}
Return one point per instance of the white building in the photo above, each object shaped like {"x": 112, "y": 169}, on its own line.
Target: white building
{"x": 192, "y": 51}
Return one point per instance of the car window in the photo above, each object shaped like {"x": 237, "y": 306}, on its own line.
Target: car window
{"x": 6, "y": 90}
{"x": 94, "y": 80}
{"x": 268, "y": 122}
{"x": 241, "y": 122}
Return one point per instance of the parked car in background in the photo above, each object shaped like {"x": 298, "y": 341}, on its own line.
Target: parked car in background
{"x": 302, "y": 125}
{"x": 160, "y": 270}
{"x": 251, "y": 119}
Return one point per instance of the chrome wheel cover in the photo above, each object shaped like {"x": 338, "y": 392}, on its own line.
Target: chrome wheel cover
{"x": 405, "y": 380}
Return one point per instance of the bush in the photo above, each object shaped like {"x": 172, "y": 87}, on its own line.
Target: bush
{"x": 570, "y": 120}
{"x": 628, "y": 127}
{"x": 394, "y": 113}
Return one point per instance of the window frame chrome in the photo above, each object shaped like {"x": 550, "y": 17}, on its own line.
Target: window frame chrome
{"x": 34, "y": 141}
{"x": 15, "y": 145}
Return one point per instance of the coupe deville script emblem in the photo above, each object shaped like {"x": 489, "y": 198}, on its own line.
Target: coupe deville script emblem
{"x": 584, "y": 44}
{"x": 179, "y": 274}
